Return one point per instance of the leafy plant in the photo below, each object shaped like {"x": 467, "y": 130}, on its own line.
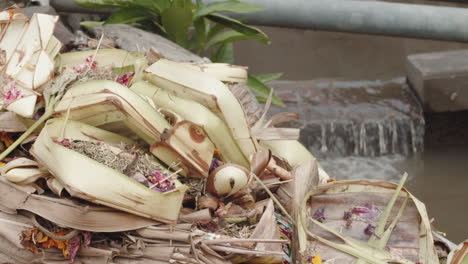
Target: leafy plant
{"x": 201, "y": 28}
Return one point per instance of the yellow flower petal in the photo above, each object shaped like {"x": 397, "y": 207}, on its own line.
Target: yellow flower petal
{"x": 317, "y": 259}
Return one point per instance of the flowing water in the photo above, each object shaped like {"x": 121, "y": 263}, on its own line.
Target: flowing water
{"x": 377, "y": 130}
{"x": 365, "y": 138}
{"x": 438, "y": 177}
{"x": 365, "y": 118}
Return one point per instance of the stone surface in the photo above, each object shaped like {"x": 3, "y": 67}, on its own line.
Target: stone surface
{"x": 73, "y": 20}
{"x": 8, "y": 3}
{"x": 61, "y": 32}
{"x": 367, "y": 118}
{"x": 440, "y": 79}
{"x": 137, "y": 40}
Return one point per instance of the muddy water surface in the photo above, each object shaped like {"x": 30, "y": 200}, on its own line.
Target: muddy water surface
{"x": 443, "y": 186}
{"x": 438, "y": 177}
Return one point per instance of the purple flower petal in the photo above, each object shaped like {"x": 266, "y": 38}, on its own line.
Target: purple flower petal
{"x": 214, "y": 164}
{"x": 369, "y": 230}
{"x": 75, "y": 244}
{"x": 319, "y": 214}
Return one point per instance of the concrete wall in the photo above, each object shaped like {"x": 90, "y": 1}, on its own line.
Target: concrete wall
{"x": 308, "y": 54}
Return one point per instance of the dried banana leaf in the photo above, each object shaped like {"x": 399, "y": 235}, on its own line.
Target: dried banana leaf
{"x": 208, "y": 91}
{"x": 69, "y": 213}
{"x": 266, "y": 228}
{"x": 459, "y": 255}
{"x": 10, "y": 253}
{"x": 10, "y": 122}
{"x": 294, "y": 153}
{"x": 190, "y": 144}
{"x": 104, "y": 57}
{"x": 102, "y": 102}
{"x": 22, "y": 171}
{"x": 215, "y": 128}
{"x": 221, "y": 71}
{"x": 55, "y": 186}
{"x": 291, "y": 150}
{"x": 112, "y": 58}
{"x": 291, "y": 195}
{"x": 11, "y": 227}
{"x": 88, "y": 179}
{"x": 337, "y": 203}
{"x": 265, "y": 129}
{"x": 26, "y": 58}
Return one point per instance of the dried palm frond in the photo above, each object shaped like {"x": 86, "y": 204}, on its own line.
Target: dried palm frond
{"x": 87, "y": 179}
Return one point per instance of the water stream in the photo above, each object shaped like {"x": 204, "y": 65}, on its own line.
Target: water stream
{"x": 377, "y": 130}
{"x": 438, "y": 177}
{"x": 370, "y": 138}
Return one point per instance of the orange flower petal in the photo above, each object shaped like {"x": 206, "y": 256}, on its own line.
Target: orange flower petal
{"x": 40, "y": 238}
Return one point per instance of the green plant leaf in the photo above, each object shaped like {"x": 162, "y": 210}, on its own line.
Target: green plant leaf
{"x": 268, "y": 77}
{"x": 232, "y": 6}
{"x": 228, "y": 36}
{"x": 239, "y": 27}
{"x": 262, "y": 91}
{"x": 214, "y": 30}
{"x": 159, "y": 29}
{"x": 127, "y": 16}
{"x": 224, "y": 54}
{"x": 200, "y": 33}
{"x": 91, "y": 24}
{"x": 176, "y": 21}
{"x": 182, "y": 3}
{"x": 163, "y": 4}
{"x": 124, "y": 69}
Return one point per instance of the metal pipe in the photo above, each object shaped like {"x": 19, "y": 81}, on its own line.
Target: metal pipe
{"x": 368, "y": 17}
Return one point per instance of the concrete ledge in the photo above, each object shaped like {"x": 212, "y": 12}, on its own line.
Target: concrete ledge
{"x": 440, "y": 79}
{"x": 368, "y": 118}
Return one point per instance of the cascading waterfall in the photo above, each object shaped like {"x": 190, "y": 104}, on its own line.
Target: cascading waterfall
{"x": 355, "y": 118}
{"x": 370, "y": 138}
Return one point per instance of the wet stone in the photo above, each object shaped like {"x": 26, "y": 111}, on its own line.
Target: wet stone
{"x": 365, "y": 118}
{"x": 137, "y": 40}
